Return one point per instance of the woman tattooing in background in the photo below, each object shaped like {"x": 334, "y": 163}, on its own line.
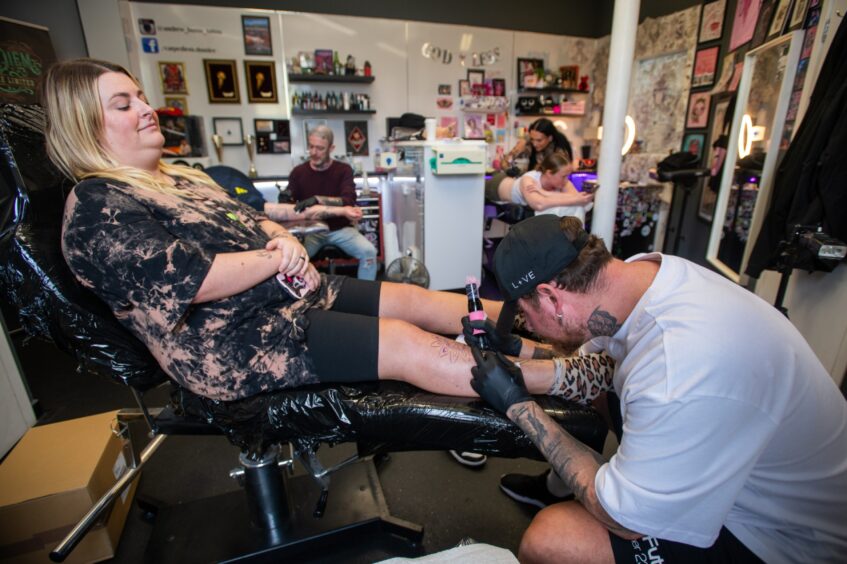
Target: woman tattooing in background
{"x": 193, "y": 273}
{"x": 544, "y": 140}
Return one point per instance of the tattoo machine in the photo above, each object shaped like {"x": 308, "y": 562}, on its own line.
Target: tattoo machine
{"x": 475, "y": 311}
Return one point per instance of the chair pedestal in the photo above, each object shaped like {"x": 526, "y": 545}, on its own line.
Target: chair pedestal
{"x": 220, "y": 528}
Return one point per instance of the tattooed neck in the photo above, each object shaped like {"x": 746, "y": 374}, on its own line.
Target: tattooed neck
{"x": 602, "y": 323}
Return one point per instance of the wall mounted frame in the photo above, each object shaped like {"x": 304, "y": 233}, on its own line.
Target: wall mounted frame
{"x": 726, "y": 216}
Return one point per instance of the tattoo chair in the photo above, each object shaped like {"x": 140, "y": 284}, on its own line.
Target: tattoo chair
{"x": 279, "y": 514}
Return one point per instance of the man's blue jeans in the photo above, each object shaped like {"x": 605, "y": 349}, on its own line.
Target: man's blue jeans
{"x": 353, "y": 243}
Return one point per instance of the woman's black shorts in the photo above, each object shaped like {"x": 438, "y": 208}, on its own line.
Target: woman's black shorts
{"x": 343, "y": 341}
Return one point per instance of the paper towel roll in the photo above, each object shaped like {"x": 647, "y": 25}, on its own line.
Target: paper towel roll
{"x": 430, "y": 129}
{"x": 391, "y": 246}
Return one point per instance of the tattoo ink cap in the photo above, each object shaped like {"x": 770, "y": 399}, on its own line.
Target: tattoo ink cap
{"x": 532, "y": 253}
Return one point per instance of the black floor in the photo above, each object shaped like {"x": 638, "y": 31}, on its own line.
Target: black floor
{"x": 428, "y": 488}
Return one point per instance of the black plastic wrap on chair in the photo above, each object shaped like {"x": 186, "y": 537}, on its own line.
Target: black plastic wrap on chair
{"x": 383, "y": 417}
{"x": 33, "y": 273}
{"x": 53, "y": 305}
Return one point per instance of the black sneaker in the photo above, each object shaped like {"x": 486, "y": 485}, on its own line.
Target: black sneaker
{"x": 472, "y": 459}
{"x": 531, "y": 490}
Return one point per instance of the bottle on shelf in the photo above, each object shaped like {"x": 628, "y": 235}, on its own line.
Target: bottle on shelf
{"x": 336, "y": 64}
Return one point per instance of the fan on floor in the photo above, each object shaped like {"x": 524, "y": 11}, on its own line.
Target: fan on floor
{"x": 408, "y": 270}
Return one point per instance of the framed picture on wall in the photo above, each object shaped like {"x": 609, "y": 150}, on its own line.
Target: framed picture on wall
{"x": 698, "y": 110}
{"x": 711, "y": 25}
{"x": 498, "y": 86}
{"x": 272, "y": 136}
{"x": 570, "y": 76}
{"x": 261, "y": 81}
{"x": 173, "y": 78}
{"x": 476, "y": 76}
{"x": 764, "y": 23}
{"x": 779, "y": 18}
{"x": 693, "y": 143}
{"x": 715, "y": 155}
{"x": 705, "y": 66}
{"x": 464, "y": 88}
{"x": 527, "y": 72}
{"x": 744, "y": 23}
{"x": 229, "y": 128}
{"x": 177, "y": 102}
{"x": 257, "y": 35}
{"x": 222, "y": 81}
{"x": 798, "y": 15}
{"x": 474, "y": 127}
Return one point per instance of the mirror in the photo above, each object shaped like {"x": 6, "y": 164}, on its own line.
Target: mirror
{"x": 753, "y": 152}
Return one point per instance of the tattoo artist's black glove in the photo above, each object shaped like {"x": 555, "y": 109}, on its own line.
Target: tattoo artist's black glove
{"x": 307, "y": 203}
{"x": 497, "y": 380}
{"x": 511, "y": 345}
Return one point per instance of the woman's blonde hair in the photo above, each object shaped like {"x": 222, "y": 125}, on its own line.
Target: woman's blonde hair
{"x": 554, "y": 162}
{"x": 75, "y": 125}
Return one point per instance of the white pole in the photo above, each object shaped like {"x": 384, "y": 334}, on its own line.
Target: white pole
{"x": 621, "y": 50}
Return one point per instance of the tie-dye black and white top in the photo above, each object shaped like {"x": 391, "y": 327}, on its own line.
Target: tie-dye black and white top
{"x": 146, "y": 253}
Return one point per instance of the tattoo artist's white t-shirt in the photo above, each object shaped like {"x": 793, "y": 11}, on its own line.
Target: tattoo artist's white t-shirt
{"x": 728, "y": 419}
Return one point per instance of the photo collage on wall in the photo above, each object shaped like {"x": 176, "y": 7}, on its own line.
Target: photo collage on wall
{"x": 222, "y": 86}
{"x": 712, "y": 99}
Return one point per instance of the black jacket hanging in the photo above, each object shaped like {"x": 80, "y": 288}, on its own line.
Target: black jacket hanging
{"x": 810, "y": 187}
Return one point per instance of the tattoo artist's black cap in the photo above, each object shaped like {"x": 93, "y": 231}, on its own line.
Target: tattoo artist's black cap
{"x": 533, "y": 252}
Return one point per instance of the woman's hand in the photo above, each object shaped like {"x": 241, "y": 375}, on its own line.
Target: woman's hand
{"x": 295, "y": 259}
{"x": 312, "y": 278}
{"x": 583, "y": 198}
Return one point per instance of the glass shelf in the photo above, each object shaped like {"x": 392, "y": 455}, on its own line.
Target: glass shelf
{"x": 336, "y": 78}
{"x": 552, "y": 90}
{"x": 298, "y": 111}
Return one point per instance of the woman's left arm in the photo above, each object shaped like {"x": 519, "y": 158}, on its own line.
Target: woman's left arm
{"x": 274, "y": 230}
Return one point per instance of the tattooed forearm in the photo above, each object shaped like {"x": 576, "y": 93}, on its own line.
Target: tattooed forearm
{"x": 451, "y": 350}
{"x": 602, "y": 323}
{"x": 575, "y": 463}
{"x": 330, "y": 201}
{"x": 262, "y": 253}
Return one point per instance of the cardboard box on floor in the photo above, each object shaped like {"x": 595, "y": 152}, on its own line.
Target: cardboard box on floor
{"x": 51, "y": 478}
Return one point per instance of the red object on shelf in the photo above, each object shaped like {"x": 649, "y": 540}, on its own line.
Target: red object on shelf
{"x": 169, "y": 111}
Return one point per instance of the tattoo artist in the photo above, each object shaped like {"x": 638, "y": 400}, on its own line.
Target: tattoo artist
{"x": 734, "y": 434}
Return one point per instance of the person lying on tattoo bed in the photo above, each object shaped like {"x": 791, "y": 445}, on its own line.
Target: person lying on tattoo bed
{"x": 193, "y": 273}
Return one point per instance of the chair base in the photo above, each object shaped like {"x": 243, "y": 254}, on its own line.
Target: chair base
{"x": 218, "y": 529}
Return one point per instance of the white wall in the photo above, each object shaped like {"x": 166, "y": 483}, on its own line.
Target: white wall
{"x": 405, "y": 80}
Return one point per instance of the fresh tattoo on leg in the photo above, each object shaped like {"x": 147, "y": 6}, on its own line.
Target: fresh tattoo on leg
{"x": 453, "y": 351}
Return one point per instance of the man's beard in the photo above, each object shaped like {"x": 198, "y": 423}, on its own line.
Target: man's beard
{"x": 570, "y": 338}
{"x": 322, "y": 164}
